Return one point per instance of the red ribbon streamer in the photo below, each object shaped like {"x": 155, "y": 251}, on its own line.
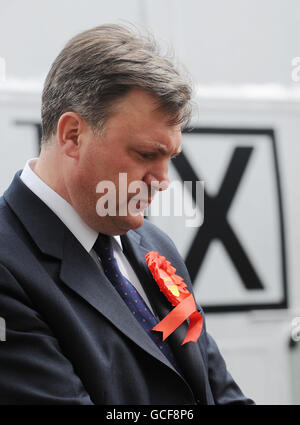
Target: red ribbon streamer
{"x": 182, "y": 299}
{"x": 186, "y": 308}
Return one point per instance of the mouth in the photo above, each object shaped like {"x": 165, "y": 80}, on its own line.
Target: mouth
{"x": 142, "y": 204}
{"x": 139, "y": 203}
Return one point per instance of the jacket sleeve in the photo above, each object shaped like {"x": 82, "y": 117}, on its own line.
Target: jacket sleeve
{"x": 224, "y": 388}
{"x": 33, "y": 369}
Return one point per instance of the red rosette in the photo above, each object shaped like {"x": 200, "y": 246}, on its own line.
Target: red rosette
{"x": 175, "y": 290}
{"x": 169, "y": 283}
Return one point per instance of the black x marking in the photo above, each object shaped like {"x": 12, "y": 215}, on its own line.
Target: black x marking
{"x": 215, "y": 225}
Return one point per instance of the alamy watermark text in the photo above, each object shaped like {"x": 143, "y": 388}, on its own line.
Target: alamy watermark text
{"x": 122, "y": 199}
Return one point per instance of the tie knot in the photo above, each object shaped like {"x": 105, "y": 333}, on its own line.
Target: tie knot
{"x": 103, "y": 246}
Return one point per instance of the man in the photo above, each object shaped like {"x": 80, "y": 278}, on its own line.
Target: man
{"x": 111, "y": 105}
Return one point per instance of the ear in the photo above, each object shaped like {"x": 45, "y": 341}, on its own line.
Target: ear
{"x": 69, "y": 129}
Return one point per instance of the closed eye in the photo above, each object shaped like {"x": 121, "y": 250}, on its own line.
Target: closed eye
{"x": 153, "y": 155}
{"x": 148, "y": 155}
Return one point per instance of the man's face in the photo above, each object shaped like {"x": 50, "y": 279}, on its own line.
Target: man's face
{"x": 138, "y": 141}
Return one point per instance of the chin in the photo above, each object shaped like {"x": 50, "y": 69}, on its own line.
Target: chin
{"x": 131, "y": 222}
{"x": 119, "y": 225}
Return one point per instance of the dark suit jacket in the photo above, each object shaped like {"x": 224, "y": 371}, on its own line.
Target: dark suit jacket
{"x": 71, "y": 339}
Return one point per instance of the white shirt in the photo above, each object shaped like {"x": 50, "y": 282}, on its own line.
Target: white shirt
{"x": 82, "y": 232}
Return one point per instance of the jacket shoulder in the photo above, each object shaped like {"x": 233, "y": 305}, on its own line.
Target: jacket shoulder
{"x": 155, "y": 235}
{"x": 12, "y": 233}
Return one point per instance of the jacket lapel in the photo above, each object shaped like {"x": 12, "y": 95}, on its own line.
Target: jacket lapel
{"x": 80, "y": 273}
{"x": 188, "y": 356}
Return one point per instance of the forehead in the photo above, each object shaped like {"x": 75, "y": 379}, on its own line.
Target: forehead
{"x": 137, "y": 114}
{"x": 136, "y": 101}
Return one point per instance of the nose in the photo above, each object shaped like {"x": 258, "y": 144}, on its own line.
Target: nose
{"x": 157, "y": 178}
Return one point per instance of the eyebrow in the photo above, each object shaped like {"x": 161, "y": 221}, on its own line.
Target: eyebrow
{"x": 162, "y": 150}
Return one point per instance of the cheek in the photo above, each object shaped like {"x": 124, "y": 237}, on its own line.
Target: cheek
{"x": 86, "y": 177}
{"x": 101, "y": 164}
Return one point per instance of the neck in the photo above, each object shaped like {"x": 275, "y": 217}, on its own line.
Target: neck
{"x": 47, "y": 168}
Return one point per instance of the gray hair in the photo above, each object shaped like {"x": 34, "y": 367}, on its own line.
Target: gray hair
{"x": 99, "y": 66}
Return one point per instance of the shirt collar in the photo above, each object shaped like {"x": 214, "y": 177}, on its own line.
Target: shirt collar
{"x": 67, "y": 214}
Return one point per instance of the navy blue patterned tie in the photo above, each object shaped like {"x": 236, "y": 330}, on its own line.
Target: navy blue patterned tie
{"x": 129, "y": 294}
